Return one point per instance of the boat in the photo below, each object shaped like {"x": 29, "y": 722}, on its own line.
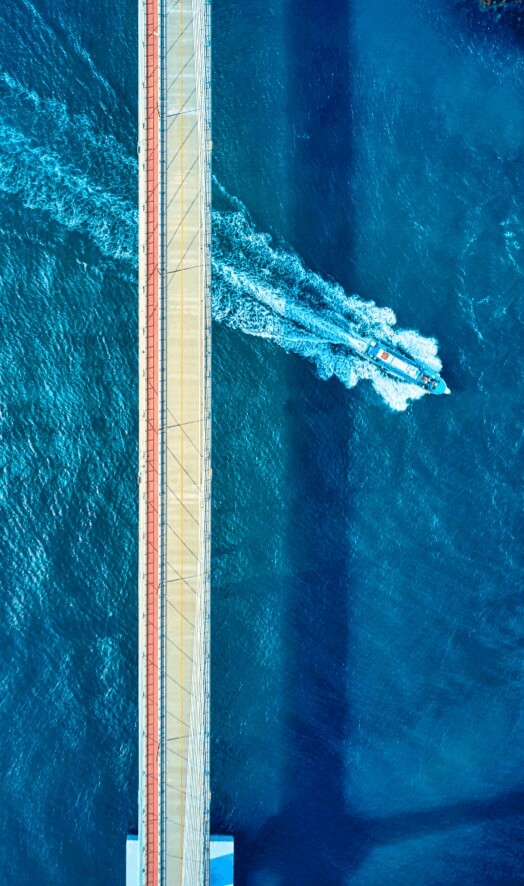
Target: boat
{"x": 399, "y": 366}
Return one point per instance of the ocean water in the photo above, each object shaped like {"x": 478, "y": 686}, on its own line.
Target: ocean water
{"x": 367, "y": 720}
{"x": 68, "y": 430}
{"x": 367, "y": 673}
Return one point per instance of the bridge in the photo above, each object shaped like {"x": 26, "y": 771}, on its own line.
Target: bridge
{"x": 172, "y": 846}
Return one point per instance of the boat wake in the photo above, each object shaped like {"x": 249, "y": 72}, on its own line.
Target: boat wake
{"x": 47, "y": 158}
{"x": 61, "y": 164}
{"x": 265, "y": 290}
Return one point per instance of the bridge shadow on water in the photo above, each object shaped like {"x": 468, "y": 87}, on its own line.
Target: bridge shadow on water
{"x": 319, "y": 136}
{"x": 303, "y": 843}
{"x": 318, "y": 843}
{"x": 315, "y": 838}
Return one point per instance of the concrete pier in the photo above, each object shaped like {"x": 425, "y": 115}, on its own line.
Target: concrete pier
{"x": 174, "y": 280}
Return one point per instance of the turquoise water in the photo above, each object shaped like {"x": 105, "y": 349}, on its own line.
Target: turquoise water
{"x": 68, "y": 408}
{"x": 367, "y": 673}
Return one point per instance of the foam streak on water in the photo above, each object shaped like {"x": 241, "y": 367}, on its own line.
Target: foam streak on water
{"x": 47, "y": 157}
{"x": 266, "y": 290}
{"x": 260, "y": 288}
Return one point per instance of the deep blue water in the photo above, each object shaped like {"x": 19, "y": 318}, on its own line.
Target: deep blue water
{"x": 367, "y": 673}
{"x": 367, "y": 569}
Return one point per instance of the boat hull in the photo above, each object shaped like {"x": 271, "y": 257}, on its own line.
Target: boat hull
{"x": 396, "y": 364}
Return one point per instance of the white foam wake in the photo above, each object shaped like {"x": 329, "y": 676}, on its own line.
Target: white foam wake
{"x": 63, "y": 165}
{"x": 51, "y": 160}
{"x": 266, "y": 290}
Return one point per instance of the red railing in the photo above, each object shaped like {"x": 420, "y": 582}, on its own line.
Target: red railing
{"x": 152, "y": 437}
